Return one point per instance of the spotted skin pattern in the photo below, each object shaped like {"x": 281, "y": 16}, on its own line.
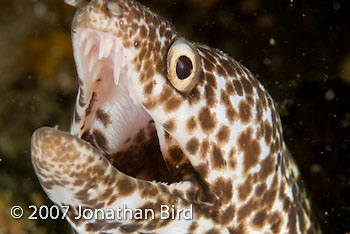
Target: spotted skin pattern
{"x": 221, "y": 144}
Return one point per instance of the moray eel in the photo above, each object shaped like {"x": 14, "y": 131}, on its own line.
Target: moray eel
{"x": 168, "y": 136}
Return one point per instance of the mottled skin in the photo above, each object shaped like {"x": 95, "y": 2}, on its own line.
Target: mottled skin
{"x": 219, "y": 135}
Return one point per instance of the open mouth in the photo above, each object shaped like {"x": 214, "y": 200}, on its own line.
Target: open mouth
{"x": 109, "y": 114}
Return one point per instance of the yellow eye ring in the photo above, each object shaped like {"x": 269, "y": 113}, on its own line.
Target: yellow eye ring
{"x": 183, "y": 65}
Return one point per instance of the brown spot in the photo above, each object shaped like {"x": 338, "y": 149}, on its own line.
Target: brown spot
{"x": 211, "y": 80}
{"x": 100, "y": 139}
{"x": 142, "y": 55}
{"x": 192, "y": 145}
{"x": 267, "y": 166}
{"x": 207, "y": 120}
{"x": 93, "y": 227}
{"x": 151, "y": 34}
{"x": 202, "y": 170}
{"x": 268, "y": 132}
{"x": 228, "y": 215}
{"x": 247, "y": 86}
{"x": 260, "y": 189}
{"x": 168, "y": 33}
{"x": 245, "y": 111}
{"x": 250, "y": 100}
{"x": 169, "y": 125}
{"x": 231, "y": 114}
{"x": 276, "y": 222}
{"x": 194, "y": 96}
{"x": 229, "y": 88}
{"x": 250, "y": 148}
{"x": 175, "y": 153}
{"x": 238, "y": 87}
{"x": 259, "y": 111}
{"x": 240, "y": 229}
{"x": 225, "y": 98}
{"x": 259, "y": 218}
{"x": 191, "y": 125}
{"x": 230, "y": 111}
{"x": 148, "y": 88}
{"x": 159, "y": 68}
{"x": 262, "y": 96}
{"x": 223, "y": 134}
{"x": 141, "y": 136}
{"x": 223, "y": 189}
{"x": 208, "y": 65}
{"x": 212, "y": 231}
{"x": 103, "y": 117}
{"x": 204, "y": 148}
{"x": 148, "y": 191}
{"x": 232, "y": 158}
{"x": 193, "y": 227}
{"x": 217, "y": 158}
{"x": 143, "y": 31}
{"x": 149, "y": 104}
{"x": 292, "y": 220}
{"x": 245, "y": 189}
{"x": 247, "y": 209}
{"x": 269, "y": 197}
{"x": 162, "y": 28}
{"x": 240, "y": 71}
{"x": 221, "y": 70}
{"x": 125, "y": 186}
{"x": 228, "y": 67}
{"x": 172, "y": 104}
{"x": 210, "y": 96}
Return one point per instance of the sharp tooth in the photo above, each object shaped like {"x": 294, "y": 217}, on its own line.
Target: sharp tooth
{"x": 118, "y": 65}
{"x": 108, "y": 47}
{"x": 82, "y": 37}
{"x": 101, "y": 47}
{"x": 106, "y": 44}
{"x": 88, "y": 46}
{"x": 92, "y": 62}
{"x": 97, "y": 71}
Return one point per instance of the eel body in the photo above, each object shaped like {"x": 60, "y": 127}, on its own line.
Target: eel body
{"x": 165, "y": 124}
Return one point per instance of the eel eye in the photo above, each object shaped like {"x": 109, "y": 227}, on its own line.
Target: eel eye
{"x": 183, "y": 65}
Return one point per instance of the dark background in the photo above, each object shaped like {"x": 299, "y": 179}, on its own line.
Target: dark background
{"x": 300, "y": 50}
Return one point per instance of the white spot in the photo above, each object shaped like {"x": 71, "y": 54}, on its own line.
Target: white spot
{"x": 329, "y": 96}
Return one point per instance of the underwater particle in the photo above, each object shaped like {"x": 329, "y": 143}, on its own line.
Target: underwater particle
{"x": 272, "y": 41}
{"x": 347, "y": 116}
{"x": 316, "y": 168}
{"x": 329, "y": 96}
{"x": 291, "y": 3}
{"x": 344, "y": 69}
{"x": 336, "y": 6}
{"x": 267, "y": 61}
{"x": 40, "y": 9}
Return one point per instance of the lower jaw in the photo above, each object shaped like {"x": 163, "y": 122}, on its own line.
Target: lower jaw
{"x": 142, "y": 159}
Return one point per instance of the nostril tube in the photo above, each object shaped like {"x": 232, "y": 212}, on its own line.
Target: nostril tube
{"x": 114, "y": 8}
{"x": 76, "y": 3}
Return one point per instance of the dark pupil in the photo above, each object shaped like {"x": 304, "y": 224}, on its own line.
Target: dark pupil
{"x": 183, "y": 67}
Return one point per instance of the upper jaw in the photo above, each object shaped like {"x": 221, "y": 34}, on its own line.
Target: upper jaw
{"x": 106, "y": 84}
